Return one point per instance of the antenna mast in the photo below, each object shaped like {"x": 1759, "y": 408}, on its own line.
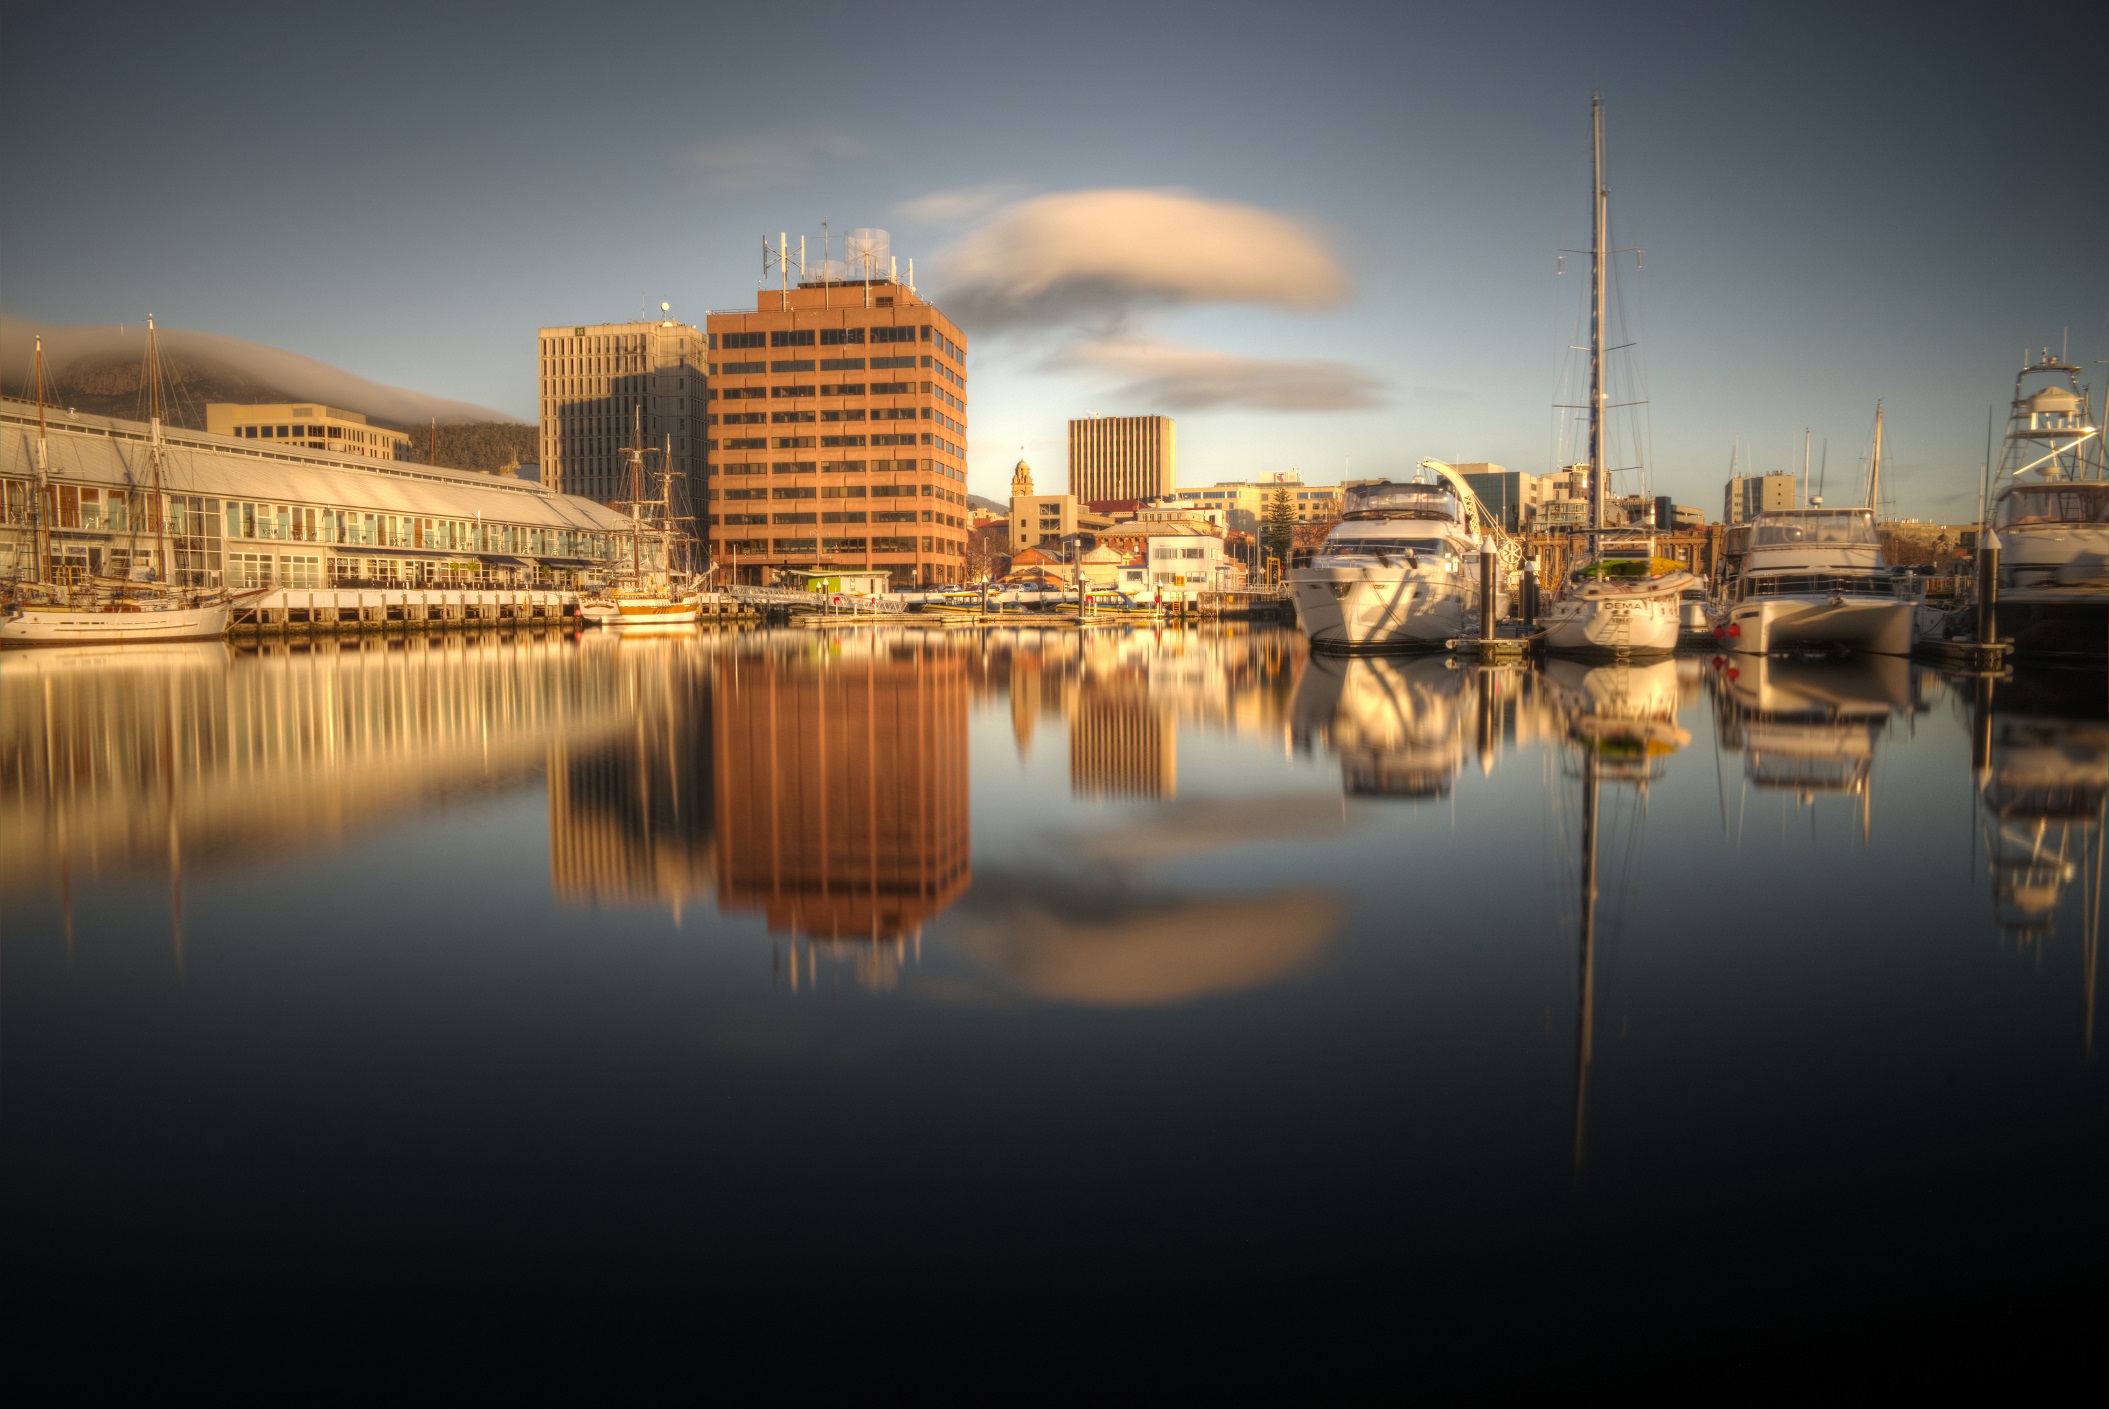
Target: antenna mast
{"x": 1598, "y": 221}
{"x": 40, "y": 515}
{"x": 1874, "y": 467}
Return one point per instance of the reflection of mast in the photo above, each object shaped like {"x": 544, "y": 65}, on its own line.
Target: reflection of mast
{"x": 1585, "y": 1025}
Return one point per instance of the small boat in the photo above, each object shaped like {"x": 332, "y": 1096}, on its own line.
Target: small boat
{"x": 113, "y": 623}
{"x": 1400, "y": 571}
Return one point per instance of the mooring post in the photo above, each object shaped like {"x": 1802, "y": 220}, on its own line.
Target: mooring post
{"x": 1487, "y": 560}
{"x": 1988, "y": 588}
{"x": 1530, "y": 593}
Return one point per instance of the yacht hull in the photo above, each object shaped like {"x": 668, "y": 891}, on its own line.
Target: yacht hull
{"x": 1613, "y": 626}
{"x": 1356, "y": 609}
{"x": 1878, "y": 626}
{"x": 86, "y": 626}
{"x": 2062, "y": 624}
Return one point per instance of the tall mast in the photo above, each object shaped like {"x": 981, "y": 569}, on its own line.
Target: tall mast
{"x": 1598, "y": 241}
{"x": 41, "y": 513}
{"x": 1874, "y": 467}
{"x": 636, "y": 488}
{"x": 156, "y": 507}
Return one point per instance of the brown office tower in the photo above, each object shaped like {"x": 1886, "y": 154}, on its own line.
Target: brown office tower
{"x": 842, "y": 787}
{"x": 605, "y": 383}
{"x": 840, "y": 440}
{"x": 1122, "y": 457}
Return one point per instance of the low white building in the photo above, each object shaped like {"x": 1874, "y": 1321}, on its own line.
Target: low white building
{"x": 1183, "y": 565}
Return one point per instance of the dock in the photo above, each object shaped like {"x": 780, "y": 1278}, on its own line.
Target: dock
{"x": 333, "y": 611}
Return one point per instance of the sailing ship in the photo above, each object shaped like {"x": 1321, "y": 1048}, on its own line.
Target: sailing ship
{"x": 1814, "y": 579}
{"x": 1620, "y": 599}
{"x": 1400, "y": 571}
{"x": 2051, "y": 514}
{"x": 653, "y": 590}
{"x": 56, "y": 609}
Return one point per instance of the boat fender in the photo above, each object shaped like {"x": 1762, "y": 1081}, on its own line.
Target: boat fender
{"x": 1734, "y": 630}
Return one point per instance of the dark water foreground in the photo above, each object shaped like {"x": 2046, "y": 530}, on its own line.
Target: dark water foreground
{"x": 1056, "y": 999}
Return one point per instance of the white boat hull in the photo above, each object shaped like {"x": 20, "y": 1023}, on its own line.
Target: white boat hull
{"x": 94, "y": 626}
{"x": 642, "y": 612}
{"x": 1877, "y": 625}
{"x": 1634, "y": 625}
{"x": 1370, "y": 609}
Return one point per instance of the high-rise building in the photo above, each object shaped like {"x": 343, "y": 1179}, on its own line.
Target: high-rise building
{"x": 606, "y": 386}
{"x": 312, "y": 427}
{"x": 840, "y": 433}
{"x": 1123, "y": 457}
{"x": 1746, "y": 496}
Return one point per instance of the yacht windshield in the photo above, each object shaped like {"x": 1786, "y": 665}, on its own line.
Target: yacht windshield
{"x": 1814, "y": 530}
{"x": 2054, "y": 503}
{"x": 1385, "y": 547}
{"x": 1425, "y": 501}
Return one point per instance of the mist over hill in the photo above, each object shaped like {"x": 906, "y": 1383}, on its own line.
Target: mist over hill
{"x": 99, "y": 369}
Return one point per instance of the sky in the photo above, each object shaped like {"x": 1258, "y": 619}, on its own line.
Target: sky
{"x": 1322, "y": 237}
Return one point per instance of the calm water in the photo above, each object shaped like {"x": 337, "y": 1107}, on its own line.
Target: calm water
{"x": 1563, "y": 1011}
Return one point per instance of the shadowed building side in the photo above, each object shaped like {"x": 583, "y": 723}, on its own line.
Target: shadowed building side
{"x": 842, "y": 790}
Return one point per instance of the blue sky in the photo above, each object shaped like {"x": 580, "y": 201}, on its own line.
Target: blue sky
{"x": 1837, "y": 204}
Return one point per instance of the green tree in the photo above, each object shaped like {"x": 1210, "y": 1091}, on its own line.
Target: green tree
{"x": 1278, "y": 530}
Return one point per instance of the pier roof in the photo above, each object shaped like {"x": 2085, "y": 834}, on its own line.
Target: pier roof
{"x": 108, "y": 451}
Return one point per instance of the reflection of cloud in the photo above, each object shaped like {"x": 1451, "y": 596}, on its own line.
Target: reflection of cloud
{"x": 1192, "y": 379}
{"x": 1103, "y": 254}
{"x": 963, "y": 203}
{"x": 1049, "y": 937}
{"x": 1194, "y": 825}
{"x": 766, "y": 159}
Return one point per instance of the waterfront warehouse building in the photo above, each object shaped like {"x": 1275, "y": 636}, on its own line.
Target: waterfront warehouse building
{"x": 1123, "y": 457}
{"x": 606, "y": 386}
{"x": 271, "y": 513}
{"x": 839, "y": 422}
{"x": 313, "y": 425}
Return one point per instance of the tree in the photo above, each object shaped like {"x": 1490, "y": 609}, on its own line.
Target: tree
{"x": 1278, "y": 531}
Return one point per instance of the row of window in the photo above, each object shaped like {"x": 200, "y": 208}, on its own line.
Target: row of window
{"x": 299, "y": 523}
{"x": 934, "y": 546}
{"x": 825, "y": 337}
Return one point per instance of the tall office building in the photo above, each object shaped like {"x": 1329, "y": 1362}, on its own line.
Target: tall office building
{"x": 840, "y": 433}
{"x": 1744, "y": 497}
{"x": 604, "y": 384}
{"x": 1122, "y": 457}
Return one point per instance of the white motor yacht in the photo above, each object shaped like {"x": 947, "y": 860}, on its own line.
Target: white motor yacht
{"x": 1400, "y": 571}
{"x": 1812, "y": 579}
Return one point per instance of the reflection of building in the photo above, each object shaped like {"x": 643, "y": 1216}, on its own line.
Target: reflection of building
{"x": 127, "y": 759}
{"x": 842, "y": 788}
{"x": 633, "y": 819}
{"x": 1120, "y": 745}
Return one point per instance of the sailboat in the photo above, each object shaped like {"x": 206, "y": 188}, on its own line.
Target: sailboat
{"x": 53, "y": 610}
{"x": 648, "y": 593}
{"x": 1620, "y": 600}
{"x": 1814, "y": 578}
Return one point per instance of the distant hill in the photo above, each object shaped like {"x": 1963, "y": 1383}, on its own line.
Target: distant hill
{"x": 477, "y": 445}
{"x": 986, "y": 504}
{"x": 98, "y": 369}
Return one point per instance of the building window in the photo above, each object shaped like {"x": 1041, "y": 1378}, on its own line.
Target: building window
{"x": 842, "y": 364}
{"x": 898, "y": 334}
{"x": 732, "y": 340}
{"x": 791, "y": 337}
{"x": 836, "y": 337}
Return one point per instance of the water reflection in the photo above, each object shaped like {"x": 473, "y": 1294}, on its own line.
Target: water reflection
{"x": 1809, "y": 727}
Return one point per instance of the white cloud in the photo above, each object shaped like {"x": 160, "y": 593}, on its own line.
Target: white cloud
{"x": 1174, "y": 378}
{"x": 1104, "y": 254}
{"x": 964, "y": 203}
{"x": 763, "y": 160}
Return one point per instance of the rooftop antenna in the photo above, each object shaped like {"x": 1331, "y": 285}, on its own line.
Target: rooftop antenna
{"x": 911, "y": 273}
{"x": 893, "y": 269}
{"x": 667, "y": 309}
{"x": 780, "y": 260}
{"x": 827, "y": 257}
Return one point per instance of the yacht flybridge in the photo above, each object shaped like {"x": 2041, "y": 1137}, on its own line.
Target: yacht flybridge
{"x": 1619, "y": 599}
{"x": 1400, "y": 571}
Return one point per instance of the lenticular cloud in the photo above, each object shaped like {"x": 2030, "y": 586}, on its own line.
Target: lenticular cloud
{"x": 1099, "y": 254}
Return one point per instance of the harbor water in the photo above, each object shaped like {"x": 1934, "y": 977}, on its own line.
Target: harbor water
{"x": 1020, "y": 983}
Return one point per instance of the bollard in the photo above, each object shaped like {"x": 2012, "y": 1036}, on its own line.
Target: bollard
{"x": 1988, "y": 589}
{"x": 1488, "y": 557}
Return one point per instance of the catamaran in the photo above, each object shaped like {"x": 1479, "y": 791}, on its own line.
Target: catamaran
{"x": 1619, "y": 599}
{"x": 1400, "y": 571}
{"x": 56, "y": 609}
